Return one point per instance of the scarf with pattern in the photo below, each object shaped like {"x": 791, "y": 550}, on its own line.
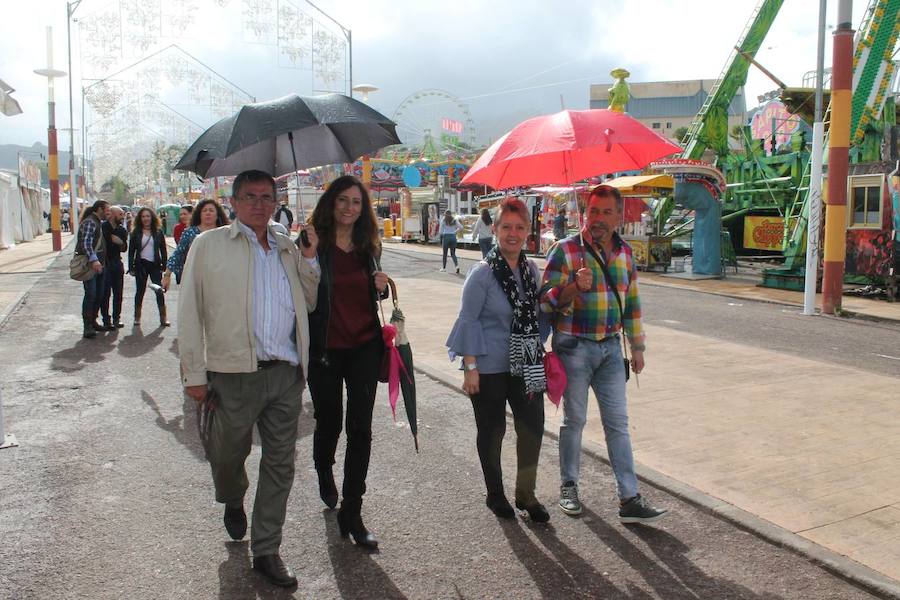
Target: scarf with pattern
{"x": 526, "y": 351}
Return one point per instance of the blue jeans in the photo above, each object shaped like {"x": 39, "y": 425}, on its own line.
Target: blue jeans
{"x": 485, "y": 244}
{"x": 448, "y": 242}
{"x": 93, "y": 294}
{"x": 596, "y": 365}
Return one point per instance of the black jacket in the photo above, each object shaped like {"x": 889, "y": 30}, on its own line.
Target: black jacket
{"x": 319, "y": 318}
{"x": 161, "y": 254}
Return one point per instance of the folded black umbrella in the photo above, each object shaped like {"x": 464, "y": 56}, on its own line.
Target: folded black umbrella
{"x": 321, "y": 130}
{"x": 205, "y": 415}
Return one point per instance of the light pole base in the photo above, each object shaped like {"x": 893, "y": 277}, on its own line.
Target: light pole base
{"x": 9, "y": 441}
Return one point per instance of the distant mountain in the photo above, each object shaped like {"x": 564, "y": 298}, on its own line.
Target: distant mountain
{"x": 9, "y": 155}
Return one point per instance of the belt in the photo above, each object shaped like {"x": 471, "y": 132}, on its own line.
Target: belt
{"x": 268, "y": 364}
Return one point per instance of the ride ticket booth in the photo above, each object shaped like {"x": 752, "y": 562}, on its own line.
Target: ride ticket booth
{"x": 641, "y": 194}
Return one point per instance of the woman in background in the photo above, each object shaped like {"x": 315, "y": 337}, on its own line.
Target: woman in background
{"x": 147, "y": 257}
{"x": 484, "y": 233}
{"x": 184, "y": 219}
{"x": 449, "y": 226}
{"x": 208, "y": 214}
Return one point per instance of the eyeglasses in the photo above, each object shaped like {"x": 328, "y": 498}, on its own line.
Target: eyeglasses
{"x": 258, "y": 200}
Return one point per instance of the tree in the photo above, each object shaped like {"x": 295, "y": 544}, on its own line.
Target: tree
{"x": 120, "y": 192}
{"x": 680, "y": 133}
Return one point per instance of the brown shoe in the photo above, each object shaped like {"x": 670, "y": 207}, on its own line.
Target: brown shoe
{"x": 273, "y": 568}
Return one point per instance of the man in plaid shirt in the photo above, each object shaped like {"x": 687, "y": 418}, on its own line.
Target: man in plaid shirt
{"x": 587, "y": 323}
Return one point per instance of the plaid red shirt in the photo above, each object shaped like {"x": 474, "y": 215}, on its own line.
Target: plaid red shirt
{"x": 595, "y": 314}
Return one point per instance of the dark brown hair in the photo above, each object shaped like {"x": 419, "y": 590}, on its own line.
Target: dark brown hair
{"x": 154, "y": 220}
{"x": 604, "y": 191}
{"x": 221, "y": 217}
{"x": 93, "y": 208}
{"x": 365, "y": 230}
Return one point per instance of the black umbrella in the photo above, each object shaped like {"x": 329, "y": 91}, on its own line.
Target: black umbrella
{"x": 397, "y": 339}
{"x": 323, "y": 130}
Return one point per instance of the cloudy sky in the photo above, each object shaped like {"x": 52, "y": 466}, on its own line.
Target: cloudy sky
{"x": 505, "y": 60}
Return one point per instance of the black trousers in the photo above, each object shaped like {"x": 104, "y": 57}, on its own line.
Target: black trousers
{"x": 495, "y": 390}
{"x": 146, "y": 269}
{"x": 114, "y": 280}
{"x": 358, "y": 369}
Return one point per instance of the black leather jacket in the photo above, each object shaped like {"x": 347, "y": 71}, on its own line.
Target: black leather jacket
{"x": 319, "y": 318}
{"x": 160, "y": 253}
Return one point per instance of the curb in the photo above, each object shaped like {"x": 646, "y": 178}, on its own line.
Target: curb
{"x": 15, "y": 304}
{"x": 833, "y": 562}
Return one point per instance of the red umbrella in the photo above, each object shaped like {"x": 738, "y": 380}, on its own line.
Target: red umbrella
{"x": 566, "y": 147}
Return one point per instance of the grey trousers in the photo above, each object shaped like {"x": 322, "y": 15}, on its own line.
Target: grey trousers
{"x": 270, "y": 399}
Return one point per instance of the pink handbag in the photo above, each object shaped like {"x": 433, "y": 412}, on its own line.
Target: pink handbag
{"x": 556, "y": 377}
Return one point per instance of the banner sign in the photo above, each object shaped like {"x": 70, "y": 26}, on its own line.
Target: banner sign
{"x": 764, "y": 233}
{"x": 451, "y": 125}
{"x": 29, "y": 174}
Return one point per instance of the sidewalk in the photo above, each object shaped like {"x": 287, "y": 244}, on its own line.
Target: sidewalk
{"x": 782, "y": 444}
{"x": 733, "y": 288}
{"x": 27, "y": 258}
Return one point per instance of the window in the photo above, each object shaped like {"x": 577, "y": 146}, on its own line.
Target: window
{"x": 865, "y": 199}
{"x": 656, "y": 126}
{"x": 669, "y": 125}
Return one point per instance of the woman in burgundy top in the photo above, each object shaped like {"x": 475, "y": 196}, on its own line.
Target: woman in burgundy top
{"x": 346, "y": 345}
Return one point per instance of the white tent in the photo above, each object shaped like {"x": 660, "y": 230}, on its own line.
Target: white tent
{"x": 21, "y": 216}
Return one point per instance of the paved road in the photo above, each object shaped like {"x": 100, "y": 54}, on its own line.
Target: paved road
{"x": 868, "y": 345}
{"x": 109, "y": 497}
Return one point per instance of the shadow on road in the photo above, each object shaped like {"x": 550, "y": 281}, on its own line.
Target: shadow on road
{"x": 137, "y": 344}
{"x": 82, "y": 353}
{"x": 237, "y": 579}
{"x": 356, "y": 573}
{"x": 183, "y": 427}
{"x": 563, "y": 574}
{"x": 682, "y": 578}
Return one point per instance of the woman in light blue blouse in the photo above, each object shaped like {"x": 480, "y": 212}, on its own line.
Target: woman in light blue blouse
{"x": 449, "y": 226}
{"x": 208, "y": 214}
{"x": 500, "y": 339}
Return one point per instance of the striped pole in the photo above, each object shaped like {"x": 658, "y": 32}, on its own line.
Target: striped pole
{"x": 838, "y": 162}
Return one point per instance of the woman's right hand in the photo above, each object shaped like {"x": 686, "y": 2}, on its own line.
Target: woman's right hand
{"x": 471, "y": 381}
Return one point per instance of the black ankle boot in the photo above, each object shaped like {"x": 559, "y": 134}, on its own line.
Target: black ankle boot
{"x": 327, "y": 488}
{"x": 500, "y": 506}
{"x": 351, "y": 524}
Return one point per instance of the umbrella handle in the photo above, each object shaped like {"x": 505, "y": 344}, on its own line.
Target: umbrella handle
{"x": 304, "y": 237}
{"x": 393, "y": 287}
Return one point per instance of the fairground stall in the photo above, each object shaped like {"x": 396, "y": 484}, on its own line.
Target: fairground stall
{"x": 642, "y": 193}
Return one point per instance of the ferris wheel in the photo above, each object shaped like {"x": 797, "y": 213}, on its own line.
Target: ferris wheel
{"x": 436, "y": 118}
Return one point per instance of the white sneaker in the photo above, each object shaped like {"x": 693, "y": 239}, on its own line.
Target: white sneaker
{"x": 442, "y": 270}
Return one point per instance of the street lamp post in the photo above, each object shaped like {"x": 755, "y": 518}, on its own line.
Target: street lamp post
{"x": 71, "y": 7}
{"x": 53, "y": 158}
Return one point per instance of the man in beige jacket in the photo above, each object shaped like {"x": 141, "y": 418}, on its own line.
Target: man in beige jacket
{"x": 243, "y": 332}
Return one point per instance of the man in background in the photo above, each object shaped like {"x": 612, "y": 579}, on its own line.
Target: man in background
{"x": 116, "y": 239}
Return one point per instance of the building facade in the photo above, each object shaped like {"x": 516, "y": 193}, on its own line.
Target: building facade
{"x": 665, "y": 106}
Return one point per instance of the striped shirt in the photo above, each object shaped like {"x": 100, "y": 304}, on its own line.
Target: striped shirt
{"x": 274, "y": 318}
{"x": 594, "y": 314}
{"x": 90, "y": 232}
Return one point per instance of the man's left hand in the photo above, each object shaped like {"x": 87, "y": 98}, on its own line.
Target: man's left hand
{"x": 381, "y": 281}
{"x": 637, "y": 361}
{"x": 313, "y": 241}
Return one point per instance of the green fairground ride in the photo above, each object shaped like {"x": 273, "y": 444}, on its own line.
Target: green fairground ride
{"x": 779, "y": 183}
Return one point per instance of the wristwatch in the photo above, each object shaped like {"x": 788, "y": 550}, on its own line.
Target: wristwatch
{"x": 472, "y": 366}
